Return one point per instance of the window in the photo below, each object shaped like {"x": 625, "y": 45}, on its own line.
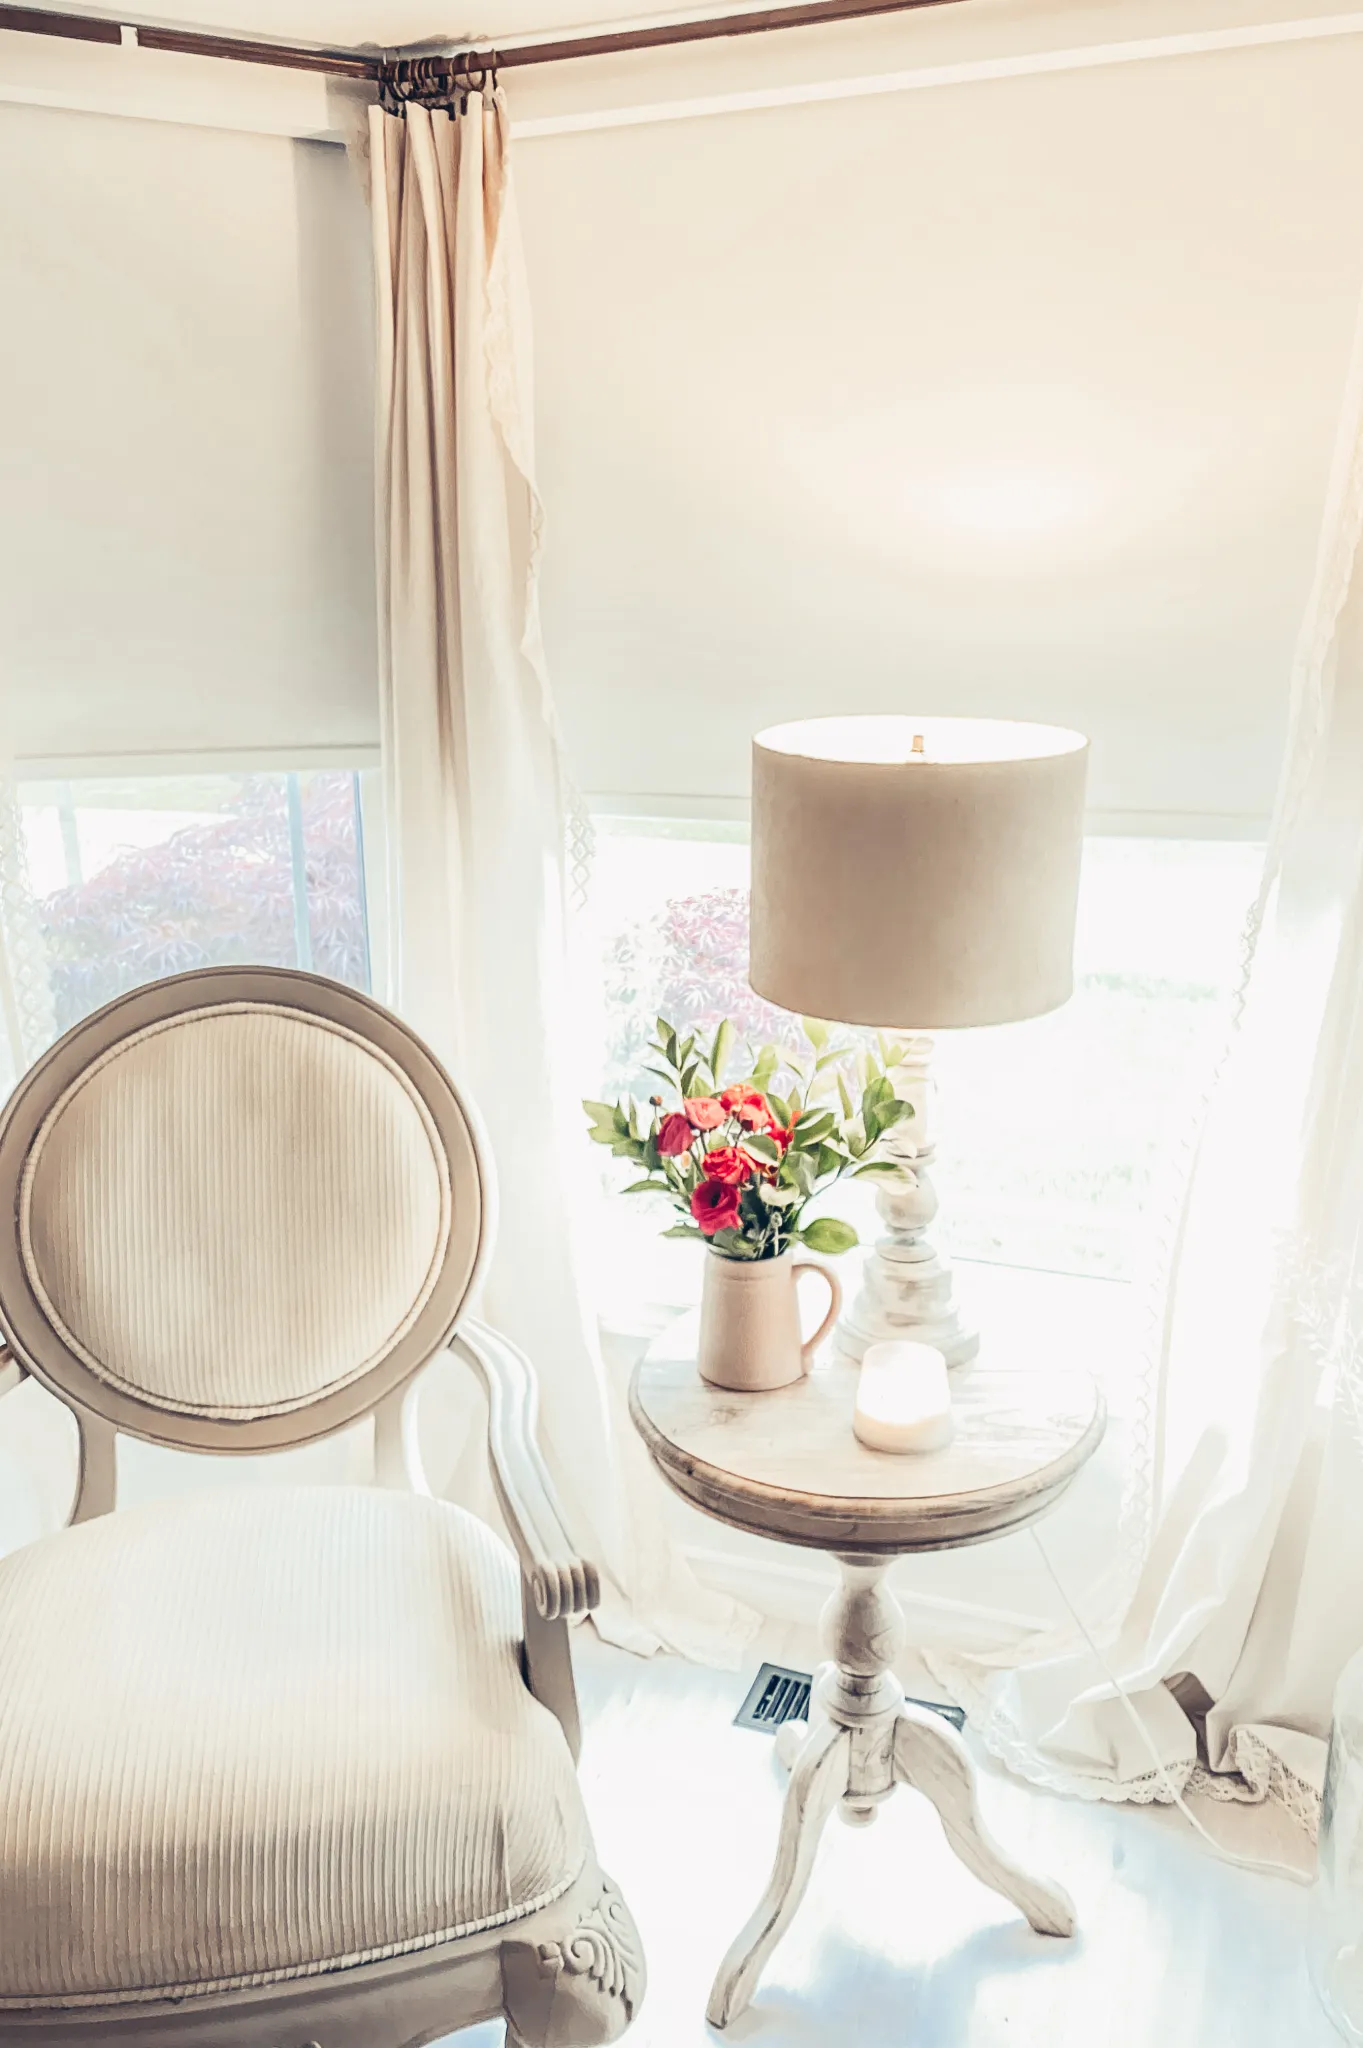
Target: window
{"x": 139, "y": 877}
{"x": 1054, "y": 1133}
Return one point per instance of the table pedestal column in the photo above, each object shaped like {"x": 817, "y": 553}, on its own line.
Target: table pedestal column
{"x": 863, "y": 1740}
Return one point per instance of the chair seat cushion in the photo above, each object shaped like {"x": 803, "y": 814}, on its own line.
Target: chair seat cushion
{"x": 256, "y": 1735}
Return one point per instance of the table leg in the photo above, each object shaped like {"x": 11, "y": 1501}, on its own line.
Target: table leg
{"x": 817, "y": 1783}
{"x": 862, "y": 1741}
{"x": 930, "y": 1756}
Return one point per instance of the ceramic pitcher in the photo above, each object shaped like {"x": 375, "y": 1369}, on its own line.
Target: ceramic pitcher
{"x": 750, "y": 1336}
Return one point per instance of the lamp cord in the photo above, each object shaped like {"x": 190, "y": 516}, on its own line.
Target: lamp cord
{"x": 1265, "y": 1868}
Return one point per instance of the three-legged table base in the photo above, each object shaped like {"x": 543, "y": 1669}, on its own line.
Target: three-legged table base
{"x": 863, "y": 1740}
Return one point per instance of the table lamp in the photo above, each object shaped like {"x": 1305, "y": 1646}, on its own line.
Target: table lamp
{"x": 915, "y": 874}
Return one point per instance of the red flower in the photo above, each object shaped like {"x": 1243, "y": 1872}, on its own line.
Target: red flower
{"x": 674, "y": 1135}
{"x": 726, "y": 1163}
{"x": 781, "y": 1135}
{"x": 704, "y": 1112}
{"x": 715, "y": 1206}
{"x": 749, "y": 1105}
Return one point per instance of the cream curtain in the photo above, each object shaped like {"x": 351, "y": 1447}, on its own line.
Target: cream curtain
{"x": 1249, "y": 1596}
{"x": 474, "y": 798}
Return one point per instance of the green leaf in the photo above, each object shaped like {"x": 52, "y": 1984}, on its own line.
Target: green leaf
{"x": 682, "y": 1230}
{"x": 893, "y": 1112}
{"x": 720, "y": 1050}
{"x": 776, "y": 1197}
{"x": 829, "y": 1161}
{"x": 768, "y": 1060}
{"x": 639, "y": 1187}
{"x": 600, "y": 1112}
{"x": 816, "y": 1031}
{"x": 732, "y": 1244}
{"x": 812, "y": 1126}
{"x": 828, "y": 1234}
{"x": 780, "y": 1108}
{"x": 882, "y": 1166}
{"x": 844, "y": 1096}
{"x": 688, "y": 1079}
{"x": 759, "y": 1146}
{"x": 803, "y": 1171}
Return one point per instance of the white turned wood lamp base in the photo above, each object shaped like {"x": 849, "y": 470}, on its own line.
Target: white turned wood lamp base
{"x": 907, "y": 1288}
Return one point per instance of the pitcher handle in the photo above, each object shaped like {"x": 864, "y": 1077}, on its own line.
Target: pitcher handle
{"x": 812, "y": 1344}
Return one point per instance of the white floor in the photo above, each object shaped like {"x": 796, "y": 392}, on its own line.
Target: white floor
{"x": 896, "y": 1943}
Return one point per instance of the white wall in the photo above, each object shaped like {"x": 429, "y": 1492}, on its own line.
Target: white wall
{"x": 1003, "y": 397}
{"x": 186, "y": 552}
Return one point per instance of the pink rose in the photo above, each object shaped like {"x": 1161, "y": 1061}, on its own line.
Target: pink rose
{"x": 704, "y": 1112}
{"x": 715, "y": 1206}
{"x": 674, "y": 1135}
{"x": 726, "y": 1163}
{"x": 749, "y": 1105}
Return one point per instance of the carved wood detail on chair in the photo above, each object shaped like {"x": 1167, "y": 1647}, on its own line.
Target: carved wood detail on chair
{"x": 579, "y": 1991}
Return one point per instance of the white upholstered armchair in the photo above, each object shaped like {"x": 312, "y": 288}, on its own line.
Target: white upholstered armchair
{"x": 280, "y": 1766}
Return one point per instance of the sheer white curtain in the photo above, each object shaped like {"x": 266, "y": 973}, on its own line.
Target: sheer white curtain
{"x": 474, "y": 799}
{"x": 1250, "y": 1586}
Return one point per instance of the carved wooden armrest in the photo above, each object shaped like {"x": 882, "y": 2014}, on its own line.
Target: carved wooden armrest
{"x": 11, "y": 1372}
{"x": 558, "y": 1580}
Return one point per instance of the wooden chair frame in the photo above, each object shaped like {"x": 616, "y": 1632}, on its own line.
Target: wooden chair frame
{"x": 570, "y": 1975}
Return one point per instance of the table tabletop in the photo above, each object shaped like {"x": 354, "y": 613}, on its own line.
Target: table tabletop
{"x": 786, "y": 1464}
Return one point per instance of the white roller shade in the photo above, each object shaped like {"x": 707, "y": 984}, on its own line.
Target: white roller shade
{"x": 186, "y": 552}
{"x": 1012, "y": 399}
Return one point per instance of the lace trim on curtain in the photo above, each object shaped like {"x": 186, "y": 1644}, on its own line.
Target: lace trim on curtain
{"x": 1258, "y": 1774}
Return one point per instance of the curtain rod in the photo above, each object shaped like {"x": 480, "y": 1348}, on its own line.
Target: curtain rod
{"x": 423, "y": 69}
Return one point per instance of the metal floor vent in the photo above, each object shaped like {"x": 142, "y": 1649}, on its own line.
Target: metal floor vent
{"x": 778, "y": 1695}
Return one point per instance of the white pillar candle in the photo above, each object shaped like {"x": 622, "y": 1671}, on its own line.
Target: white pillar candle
{"x": 903, "y": 1399}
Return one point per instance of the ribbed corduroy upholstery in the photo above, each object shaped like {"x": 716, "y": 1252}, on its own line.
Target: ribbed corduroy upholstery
{"x": 248, "y": 1736}
{"x": 235, "y": 1210}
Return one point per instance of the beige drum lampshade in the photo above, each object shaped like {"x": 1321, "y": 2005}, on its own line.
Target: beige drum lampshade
{"x": 916, "y": 872}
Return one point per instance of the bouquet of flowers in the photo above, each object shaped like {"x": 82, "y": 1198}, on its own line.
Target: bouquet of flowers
{"x": 742, "y": 1160}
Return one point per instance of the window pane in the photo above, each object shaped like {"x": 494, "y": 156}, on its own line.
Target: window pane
{"x": 141, "y": 877}
{"x": 1052, "y": 1132}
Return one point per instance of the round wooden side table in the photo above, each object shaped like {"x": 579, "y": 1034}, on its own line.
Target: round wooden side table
{"x": 786, "y": 1465}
